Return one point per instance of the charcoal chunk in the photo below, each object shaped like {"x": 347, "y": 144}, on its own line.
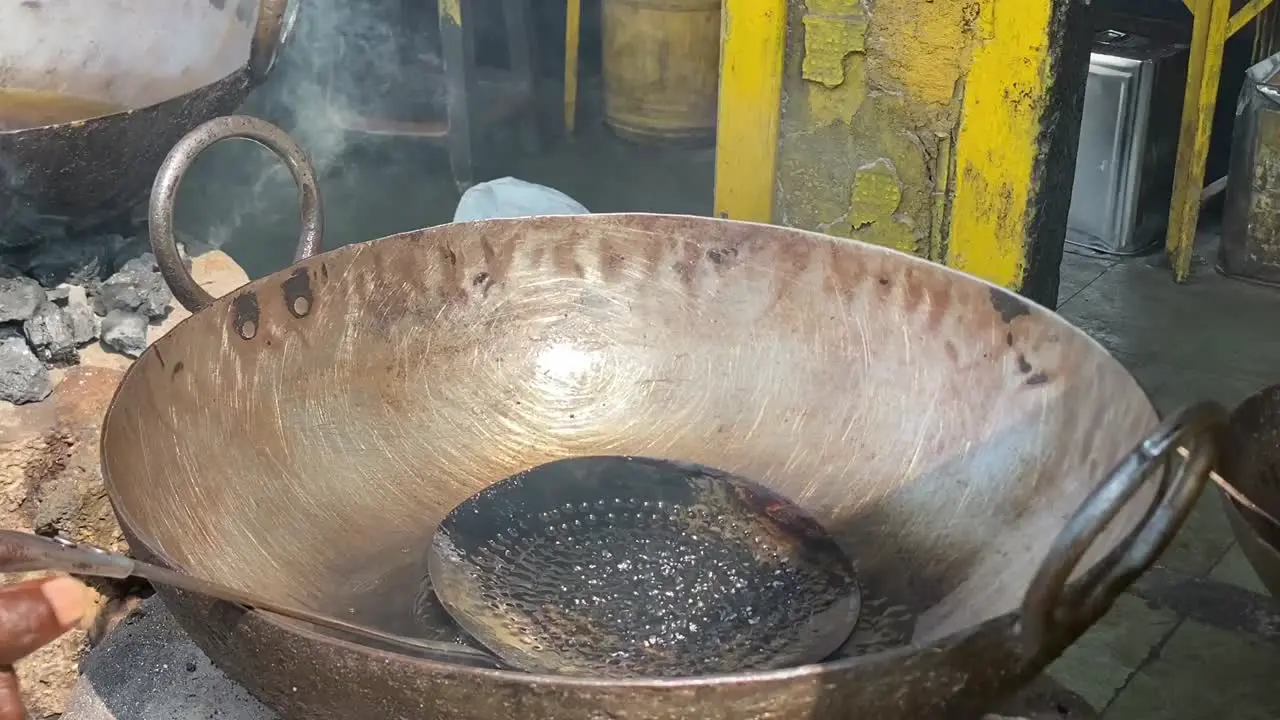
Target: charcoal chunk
{"x": 137, "y": 287}
{"x": 51, "y": 334}
{"x": 19, "y": 298}
{"x": 125, "y": 332}
{"x": 23, "y": 378}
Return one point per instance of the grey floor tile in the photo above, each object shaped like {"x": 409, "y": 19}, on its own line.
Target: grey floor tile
{"x": 1235, "y": 569}
{"x": 1079, "y": 269}
{"x": 1203, "y": 540}
{"x": 1212, "y": 325}
{"x": 1203, "y": 673}
{"x": 1172, "y": 387}
{"x": 1102, "y": 661}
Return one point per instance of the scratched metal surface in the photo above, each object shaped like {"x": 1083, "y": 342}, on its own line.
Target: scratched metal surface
{"x": 941, "y": 429}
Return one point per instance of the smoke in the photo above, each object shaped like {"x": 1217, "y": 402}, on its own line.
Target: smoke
{"x": 349, "y": 57}
{"x": 344, "y": 59}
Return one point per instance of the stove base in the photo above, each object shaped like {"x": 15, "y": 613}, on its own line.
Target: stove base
{"x": 148, "y": 669}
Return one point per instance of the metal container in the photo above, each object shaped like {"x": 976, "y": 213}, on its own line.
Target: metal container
{"x": 1250, "y": 247}
{"x": 1128, "y": 142}
{"x": 661, "y": 68}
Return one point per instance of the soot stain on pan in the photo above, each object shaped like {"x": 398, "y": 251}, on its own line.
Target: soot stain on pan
{"x": 245, "y": 314}
{"x": 1008, "y": 305}
{"x": 297, "y": 293}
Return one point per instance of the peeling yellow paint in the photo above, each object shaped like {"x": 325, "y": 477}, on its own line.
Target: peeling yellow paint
{"x": 828, "y": 40}
{"x": 877, "y": 196}
{"x": 891, "y": 233}
{"x": 948, "y": 95}
{"x": 925, "y": 47}
{"x": 828, "y": 106}
{"x": 452, "y": 10}
{"x": 877, "y": 193}
{"x": 998, "y": 142}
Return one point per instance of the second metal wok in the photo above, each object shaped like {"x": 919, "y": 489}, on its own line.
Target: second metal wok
{"x": 1251, "y": 462}
{"x": 162, "y": 67}
{"x": 303, "y": 435}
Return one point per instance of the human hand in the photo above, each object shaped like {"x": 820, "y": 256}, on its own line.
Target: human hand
{"x": 33, "y": 614}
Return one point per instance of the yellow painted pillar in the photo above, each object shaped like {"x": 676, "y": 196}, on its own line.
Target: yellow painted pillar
{"x": 944, "y": 128}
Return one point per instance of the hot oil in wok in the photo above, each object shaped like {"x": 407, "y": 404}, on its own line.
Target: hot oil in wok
{"x": 393, "y": 593}
{"x": 25, "y": 109}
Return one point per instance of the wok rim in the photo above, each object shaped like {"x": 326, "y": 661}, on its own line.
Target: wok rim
{"x": 436, "y": 668}
{"x": 243, "y": 69}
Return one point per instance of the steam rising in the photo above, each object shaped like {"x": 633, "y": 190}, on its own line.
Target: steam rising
{"x": 343, "y": 57}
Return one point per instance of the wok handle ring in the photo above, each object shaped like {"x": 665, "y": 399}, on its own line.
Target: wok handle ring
{"x": 275, "y": 21}
{"x": 1180, "y": 453}
{"x": 165, "y": 189}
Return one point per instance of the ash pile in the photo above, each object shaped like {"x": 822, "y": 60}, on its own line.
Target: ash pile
{"x": 63, "y": 293}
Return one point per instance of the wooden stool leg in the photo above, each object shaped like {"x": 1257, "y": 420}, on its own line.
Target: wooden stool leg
{"x": 520, "y": 51}
{"x": 457, "y": 49}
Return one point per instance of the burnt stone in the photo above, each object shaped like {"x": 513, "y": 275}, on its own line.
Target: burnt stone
{"x": 51, "y": 334}
{"x": 84, "y": 323}
{"x": 137, "y": 287}
{"x": 19, "y": 298}
{"x": 125, "y": 332}
{"x": 23, "y": 377}
{"x": 59, "y": 294}
{"x": 130, "y": 249}
{"x": 72, "y": 261}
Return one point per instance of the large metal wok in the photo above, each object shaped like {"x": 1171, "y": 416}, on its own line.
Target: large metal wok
{"x": 303, "y": 435}
{"x": 167, "y": 65}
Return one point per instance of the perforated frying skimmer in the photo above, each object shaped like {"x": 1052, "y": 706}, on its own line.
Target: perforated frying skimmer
{"x": 626, "y": 566}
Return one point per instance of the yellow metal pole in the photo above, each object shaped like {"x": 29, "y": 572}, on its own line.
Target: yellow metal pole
{"x": 752, "y": 33}
{"x": 572, "y": 25}
{"x": 934, "y": 128}
{"x": 1208, "y": 39}
{"x": 1245, "y": 15}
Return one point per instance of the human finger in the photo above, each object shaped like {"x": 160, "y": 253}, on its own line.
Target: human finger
{"x": 11, "y": 707}
{"x": 34, "y": 613}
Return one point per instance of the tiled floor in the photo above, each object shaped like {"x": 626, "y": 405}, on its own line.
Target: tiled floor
{"x": 1213, "y": 338}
